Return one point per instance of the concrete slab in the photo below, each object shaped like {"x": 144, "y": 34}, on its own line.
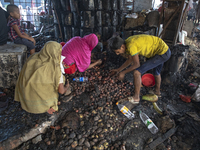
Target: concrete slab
{"x": 12, "y": 58}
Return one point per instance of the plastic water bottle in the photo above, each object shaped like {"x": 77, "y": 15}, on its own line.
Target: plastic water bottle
{"x": 81, "y": 79}
{"x": 149, "y": 123}
{"x": 125, "y": 111}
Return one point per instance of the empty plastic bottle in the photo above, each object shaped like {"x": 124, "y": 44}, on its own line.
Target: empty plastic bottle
{"x": 81, "y": 79}
{"x": 149, "y": 123}
{"x": 125, "y": 111}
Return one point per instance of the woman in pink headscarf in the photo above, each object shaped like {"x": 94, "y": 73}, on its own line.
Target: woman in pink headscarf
{"x": 77, "y": 53}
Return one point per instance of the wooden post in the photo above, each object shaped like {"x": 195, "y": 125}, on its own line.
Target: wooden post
{"x": 161, "y": 16}
{"x": 179, "y": 21}
{"x": 169, "y": 21}
{"x": 184, "y": 16}
{"x": 133, "y": 6}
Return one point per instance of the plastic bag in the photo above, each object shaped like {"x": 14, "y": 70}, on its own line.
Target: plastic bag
{"x": 87, "y": 19}
{"x": 98, "y": 4}
{"x": 87, "y": 5}
{"x": 73, "y": 5}
{"x": 120, "y": 17}
{"x": 121, "y": 4}
{"x": 114, "y": 4}
{"x": 76, "y": 18}
{"x": 98, "y": 18}
{"x": 107, "y": 33}
{"x": 86, "y": 31}
{"x": 67, "y": 33}
{"x": 67, "y": 18}
{"x": 54, "y": 17}
{"x": 196, "y": 95}
{"x": 186, "y": 99}
{"x": 106, "y": 19}
{"x": 133, "y": 15}
{"x": 75, "y": 32}
{"x": 98, "y": 31}
{"x": 56, "y": 29}
{"x": 63, "y": 4}
{"x": 106, "y": 5}
{"x": 114, "y": 18}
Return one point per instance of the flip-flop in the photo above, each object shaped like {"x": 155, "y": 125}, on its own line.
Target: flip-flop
{"x": 69, "y": 91}
{"x": 67, "y": 98}
{"x": 131, "y": 100}
{"x": 152, "y": 92}
{"x": 126, "y": 100}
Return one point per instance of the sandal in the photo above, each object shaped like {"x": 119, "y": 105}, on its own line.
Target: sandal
{"x": 69, "y": 91}
{"x": 67, "y": 98}
{"x": 131, "y": 100}
{"x": 126, "y": 100}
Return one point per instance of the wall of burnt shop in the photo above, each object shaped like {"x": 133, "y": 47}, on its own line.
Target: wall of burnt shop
{"x": 81, "y": 17}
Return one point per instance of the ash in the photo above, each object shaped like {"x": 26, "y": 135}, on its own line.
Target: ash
{"x": 91, "y": 119}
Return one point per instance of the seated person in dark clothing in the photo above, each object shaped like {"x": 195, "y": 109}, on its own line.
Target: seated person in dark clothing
{"x": 15, "y": 31}
{"x": 3, "y": 26}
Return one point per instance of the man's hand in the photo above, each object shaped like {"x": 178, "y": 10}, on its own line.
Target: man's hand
{"x": 99, "y": 62}
{"x": 33, "y": 40}
{"x": 67, "y": 88}
{"x": 121, "y": 76}
{"x": 114, "y": 72}
{"x": 67, "y": 85}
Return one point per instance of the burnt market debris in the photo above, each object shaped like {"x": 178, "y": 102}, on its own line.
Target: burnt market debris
{"x": 89, "y": 118}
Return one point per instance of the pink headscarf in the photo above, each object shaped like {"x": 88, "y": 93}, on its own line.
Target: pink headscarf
{"x": 78, "y": 50}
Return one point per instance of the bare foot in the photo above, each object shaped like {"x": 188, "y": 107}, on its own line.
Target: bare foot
{"x": 136, "y": 99}
{"x": 51, "y": 111}
{"x": 157, "y": 92}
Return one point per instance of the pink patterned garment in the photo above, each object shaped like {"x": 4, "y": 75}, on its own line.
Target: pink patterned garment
{"x": 78, "y": 50}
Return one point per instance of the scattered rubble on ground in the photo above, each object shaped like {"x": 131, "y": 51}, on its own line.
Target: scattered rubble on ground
{"x": 91, "y": 119}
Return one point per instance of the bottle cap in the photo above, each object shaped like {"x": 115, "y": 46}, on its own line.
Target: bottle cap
{"x": 117, "y": 103}
{"x": 74, "y": 79}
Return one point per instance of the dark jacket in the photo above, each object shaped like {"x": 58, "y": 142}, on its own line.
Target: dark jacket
{"x": 3, "y": 26}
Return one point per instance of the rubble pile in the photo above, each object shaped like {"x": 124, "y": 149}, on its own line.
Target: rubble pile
{"x": 99, "y": 124}
{"x": 93, "y": 121}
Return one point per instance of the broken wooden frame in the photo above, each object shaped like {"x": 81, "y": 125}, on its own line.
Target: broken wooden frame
{"x": 181, "y": 11}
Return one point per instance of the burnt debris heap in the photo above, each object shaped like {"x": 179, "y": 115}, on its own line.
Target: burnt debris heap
{"x": 91, "y": 120}
{"x": 81, "y": 17}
